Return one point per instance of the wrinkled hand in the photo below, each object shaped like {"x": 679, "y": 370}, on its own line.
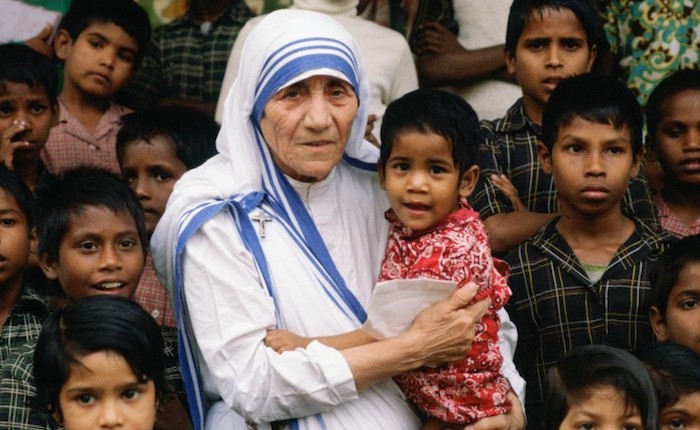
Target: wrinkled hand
{"x": 40, "y": 42}
{"x": 434, "y": 38}
{"x": 447, "y": 328}
{"x": 11, "y": 141}
{"x": 508, "y": 189}
{"x": 513, "y": 420}
{"x": 283, "y": 340}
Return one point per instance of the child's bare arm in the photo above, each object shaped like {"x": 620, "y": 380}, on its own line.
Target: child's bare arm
{"x": 283, "y": 340}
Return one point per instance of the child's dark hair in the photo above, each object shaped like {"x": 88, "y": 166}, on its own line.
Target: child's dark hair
{"x": 126, "y": 14}
{"x": 595, "y": 98}
{"x": 15, "y": 186}
{"x": 675, "y": 370}
{"x": 101, "y": 323}
{"x": 576, "y": 375}
{"x": 665, "y": 272}
{"x": 21, "y": 64}
{"x": 521, "y": 11}
{"x": 433, "y": 111}
{"x": 191, "y": 132}
{"x": 59, "y": 198}
{"x": 678, "y": 82}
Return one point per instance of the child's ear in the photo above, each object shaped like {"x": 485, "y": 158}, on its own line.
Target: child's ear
{"x": 62, "y": 44}
{"x": 48, "y": 266}
{"x": 658, "y": 324}
{"x": 636, "y": 164}
{"x": 510, "y": 62}
{"x": 55, "y": 114}
{"x": 591, "y": 57}
{"x": 57, "y": 416}
{"x": 380, "y": 171}
{"x": 545, "y": 157}
{"x": 468, "y": 182}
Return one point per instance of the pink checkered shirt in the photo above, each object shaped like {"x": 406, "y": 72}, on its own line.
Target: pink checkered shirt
{"x": 70, "y": 144}
{"x": 151, "y": 295}
{"x": 671, "y": 223}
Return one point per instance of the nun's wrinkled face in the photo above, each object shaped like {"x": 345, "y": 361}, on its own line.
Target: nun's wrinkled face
{"x": 307, "y": 125}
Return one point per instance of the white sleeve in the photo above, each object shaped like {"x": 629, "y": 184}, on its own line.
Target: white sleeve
{"x": 230, "y": 312}
{"x": 507, "y": 341}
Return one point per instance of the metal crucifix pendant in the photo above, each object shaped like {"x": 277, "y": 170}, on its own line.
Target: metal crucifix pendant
{"x": 262, "y": 218}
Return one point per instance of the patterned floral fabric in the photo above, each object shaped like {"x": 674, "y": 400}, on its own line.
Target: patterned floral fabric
{"x": 456, "y": 249}
{"x": 652, "y": 39}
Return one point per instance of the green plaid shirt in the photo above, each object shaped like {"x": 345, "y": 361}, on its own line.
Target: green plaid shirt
{"x": 18, "y": 410}
{"x": 183, "y": 63}
{"x": 557, "y": 308}
{"x": 509, "y": 147}
{"x": 23, "y": 324}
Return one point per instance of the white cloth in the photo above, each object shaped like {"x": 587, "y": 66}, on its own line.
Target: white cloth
{"x": 386, "y": 54}
{"x": 483, "y": 24}
{"x": 229, "y": 305}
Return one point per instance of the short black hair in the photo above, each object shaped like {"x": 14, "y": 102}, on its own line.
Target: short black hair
{"x": 665, "y": 272}
{"x": 60, "y": 197}
{"x": 433, "y": 111}
{"x": 521, "y": 11}
{"x": 22, "y": 64}
{"x": 675, "y": 370}
{"x": 126, "y": 14}
{"x": 588, "y": 367}
{"x": 596, "y": 98}
{"x": 13, "y": 185}
{"x": 101, "y": 323}
{"x": 191, "y": 132}
{"x": 685, "y": 79}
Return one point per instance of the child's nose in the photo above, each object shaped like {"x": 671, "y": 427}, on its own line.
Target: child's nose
{"x": 554, "y": 56}
{"x": 110, "y": 415}
{"x": 417, "y": 181}
{"x": 111, "y": 259}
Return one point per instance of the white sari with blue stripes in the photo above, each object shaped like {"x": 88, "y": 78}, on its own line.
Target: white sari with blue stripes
{"x": 312, "y": 274}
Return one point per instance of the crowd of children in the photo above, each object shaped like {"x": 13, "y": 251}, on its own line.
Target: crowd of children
{"x": 598, "y": 272}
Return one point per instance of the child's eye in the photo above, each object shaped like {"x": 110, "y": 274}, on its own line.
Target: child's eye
{"x": 571, "y": 44}
{"x": 130, "y": 394}
{"x": 403, "y": 167}
{"x": 615, "y": 150}
{"x": 163, "y": 176}
{"x": 8, "y": 222}
{"x": 630, "y": 427}
{"x": 676, "y": 423}
{"x": 586, "y": 426}
{"x": 689, "y": 304}
{"x": 127, "y": 244}
{"x": 436, "y": 170}
{"x": 574, "y": 149}
{"x": 126, "y": 57}
{"x": 5, "y": 110}
{"x": 674, "y": 132}
{"x": 95, "y": 43}
{"x": 85, "y": 399}
{"x": 38, "y": 109}
{"x": 88, "y": 246}
{"x": 536, "y": 45}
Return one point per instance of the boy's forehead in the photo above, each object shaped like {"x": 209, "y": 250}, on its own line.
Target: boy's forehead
{"x": 542, "y": 20}
{"x": 110, "y": 32}
{"x": 580, "y": 127}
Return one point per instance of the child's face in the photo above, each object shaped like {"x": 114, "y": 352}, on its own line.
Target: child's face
{"x": 681, "y": 324}
{"x": 552, "y": 46}
{"x": 104, "y": 392}
{"x": 27, "y": 115}
{"x": 684, "y": 414}
{"x": 591, "y": 165}
{"x": 677, "y": 139}
{"x": 14, "y": 242}
{"x": 604, "y": 409}
{"x": 151, "y": 170}
{"x": 100, "y": 253}
{"x": 421, "y": 180}
{"x": 99, "y": 61}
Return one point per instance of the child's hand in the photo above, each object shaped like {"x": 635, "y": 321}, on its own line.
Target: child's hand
{"x": 283, "y": 340}
{"x": 11, "y": 141}
{"x": 508, "y": 189}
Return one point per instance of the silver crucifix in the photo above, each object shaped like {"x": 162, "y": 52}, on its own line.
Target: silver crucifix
{"x": 262, "y": 218}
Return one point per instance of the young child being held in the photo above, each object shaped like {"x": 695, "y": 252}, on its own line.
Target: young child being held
{"x": 155, "y": 148}
{"x": 584, "y": 278}
{"x": 21, "y": 309}
{"x": 28, "y": 109}
{"x": 99, "y": 363}
{"x": 675, "y": 294}
{"x": 426, "y": 166}
{"x": 673, "y": 127}
{"x": 600, "y": 387}
{"x": 675, "y": 370}
{"x": 546, "y": 42}
{"x": 100, "y": 44}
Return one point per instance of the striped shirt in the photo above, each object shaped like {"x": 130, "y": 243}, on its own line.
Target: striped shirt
{"x": 23, "y": 324}
{"x": 556, "y": 307}
{"x": 509, "y": 147}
